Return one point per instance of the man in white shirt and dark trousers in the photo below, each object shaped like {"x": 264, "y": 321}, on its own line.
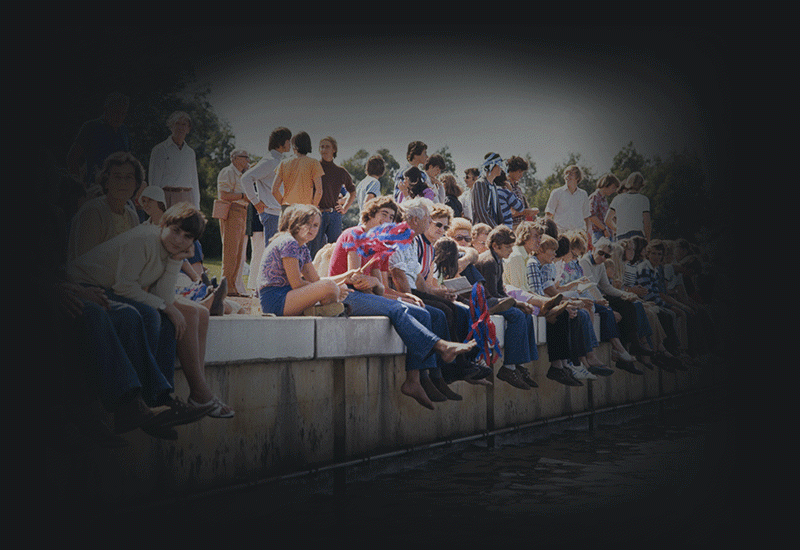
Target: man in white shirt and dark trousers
{"x": 568, "y": 205}
{"x": 173, "y": 165}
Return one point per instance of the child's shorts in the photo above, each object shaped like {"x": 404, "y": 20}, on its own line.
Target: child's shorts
{"x": 273, "y": 298}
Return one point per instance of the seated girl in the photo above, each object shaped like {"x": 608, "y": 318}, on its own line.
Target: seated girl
{"x": 288, "y": 281}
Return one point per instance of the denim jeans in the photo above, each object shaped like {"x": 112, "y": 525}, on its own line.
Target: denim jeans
{"x": 520, "y": 338}
{"x": 115, "y": 372}
{"x": 587, "y": 325}
{"x": 159, "y": 334}
{"x": 412, "y": 323}
{"x": 270, "y": 224}
{"x": 330, "y": 227}
{"x": 608, "y": 323}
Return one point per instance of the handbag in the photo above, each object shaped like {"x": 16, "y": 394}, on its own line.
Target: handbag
{"x": 220, "y": 210}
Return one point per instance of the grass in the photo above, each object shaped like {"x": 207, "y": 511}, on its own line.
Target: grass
{"x": 214, "y": 268}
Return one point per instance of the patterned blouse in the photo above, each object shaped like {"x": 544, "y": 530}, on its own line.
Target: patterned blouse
{"x": 598, "y": 206}
{"x": 284, "y": 246}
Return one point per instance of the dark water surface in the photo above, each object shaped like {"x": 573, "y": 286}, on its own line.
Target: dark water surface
{"x": 657, "y": 476}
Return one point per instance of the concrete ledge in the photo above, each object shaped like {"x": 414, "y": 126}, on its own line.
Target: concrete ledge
{"x": 234, "y": 338}
{"x": 355, "y": 337}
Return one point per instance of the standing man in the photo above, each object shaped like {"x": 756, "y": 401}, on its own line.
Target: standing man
{"x": 97, "y": 139}
{"x": 333, "y": 180}
{"x": 173, "y": 165}
{"x": 257, "y": 185}
{"x": 233, "y": 228}
{"x": 485, "y": 202}
{"x": 568, "y": 205}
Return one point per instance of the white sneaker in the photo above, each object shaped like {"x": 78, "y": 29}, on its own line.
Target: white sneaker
{"x": 580, "y": 372}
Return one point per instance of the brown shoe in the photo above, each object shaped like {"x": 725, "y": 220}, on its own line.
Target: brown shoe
{"x": 526, "y": 376}
{"x": 512, "y": 377}
{"x": 499, "y": 305}
{"x": 550, "y": 304}
{"x": 552, "y": 315}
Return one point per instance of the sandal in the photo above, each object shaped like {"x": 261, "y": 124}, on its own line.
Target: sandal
{"x": 219, "y": 408}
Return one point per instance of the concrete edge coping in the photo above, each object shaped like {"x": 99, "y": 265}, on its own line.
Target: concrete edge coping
{"x": 242, "y": 338}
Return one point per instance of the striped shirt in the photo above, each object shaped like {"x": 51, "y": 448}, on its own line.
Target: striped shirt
{"x": 645, "y": 275}
{"x": 508, "y": 200}
{"x": 424, "y": 254}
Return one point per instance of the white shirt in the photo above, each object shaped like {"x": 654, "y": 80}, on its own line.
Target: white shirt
{"x": 173, "y": 166}
{"x": 257, "y": 182}
{"x": 229, "y": 180}
{"x": 406, "y": 259}
{"x": 629, "y": 209}
{"x": 368, "y": 185}
{"x": 569, "y": 210}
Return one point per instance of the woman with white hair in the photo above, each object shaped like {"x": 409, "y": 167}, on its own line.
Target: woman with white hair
{"x": 173, "y": 165}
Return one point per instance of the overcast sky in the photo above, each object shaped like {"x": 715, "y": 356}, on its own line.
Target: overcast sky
{"x": 509, "y": 95}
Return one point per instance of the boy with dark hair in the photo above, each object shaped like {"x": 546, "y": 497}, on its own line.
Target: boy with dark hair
{"x": 520, "y": 337}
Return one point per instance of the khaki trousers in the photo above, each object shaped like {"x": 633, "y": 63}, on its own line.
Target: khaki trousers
{"x": 234, "y": 241}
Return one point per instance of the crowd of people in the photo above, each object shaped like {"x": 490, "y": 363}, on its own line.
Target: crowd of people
{"x": 137, "y": 296}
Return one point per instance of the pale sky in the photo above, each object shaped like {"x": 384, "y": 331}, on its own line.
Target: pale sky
{"x": 511, "y": 97}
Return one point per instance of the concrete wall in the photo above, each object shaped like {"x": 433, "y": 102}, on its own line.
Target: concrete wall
{"x": 310, "y": 391}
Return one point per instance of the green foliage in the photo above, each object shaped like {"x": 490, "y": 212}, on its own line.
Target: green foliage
{"x": 450, "y": 166}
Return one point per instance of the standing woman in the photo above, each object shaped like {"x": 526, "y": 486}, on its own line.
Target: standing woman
{"x": 300, "y": 176}
{"x": 629, "y": 212}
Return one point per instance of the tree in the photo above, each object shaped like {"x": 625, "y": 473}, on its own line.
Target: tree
{"x": 450, "y": 166}
{"x": 679, "y": 200}
{"x": 627, "y": 161}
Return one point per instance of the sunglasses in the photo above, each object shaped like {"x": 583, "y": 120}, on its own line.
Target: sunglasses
{"x": 441, "y": 225}
{"x": 466, "y": 239}
{"x": 604, "y": 254}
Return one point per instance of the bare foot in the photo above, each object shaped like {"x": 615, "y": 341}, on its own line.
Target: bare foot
{"x": 450, "y": 350}
{"x": 413, "y": 388}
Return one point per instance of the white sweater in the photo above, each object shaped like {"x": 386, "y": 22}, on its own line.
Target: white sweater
{"x": 133, "y": 264}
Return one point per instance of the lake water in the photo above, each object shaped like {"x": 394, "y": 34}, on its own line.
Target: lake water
{"x": 659, "y": 473}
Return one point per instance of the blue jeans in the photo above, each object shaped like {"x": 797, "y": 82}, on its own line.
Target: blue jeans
{"x": 587, "y": 324}
{"x": 117, "y": 375}
{"x": 412, "y": 323}
{"x": 159, "y": 333}
{"x": 608, "y": 323}
{"x": 520, "y": 338}
{"x": 270, "y": 224}
{"x": 330, "y": 227}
